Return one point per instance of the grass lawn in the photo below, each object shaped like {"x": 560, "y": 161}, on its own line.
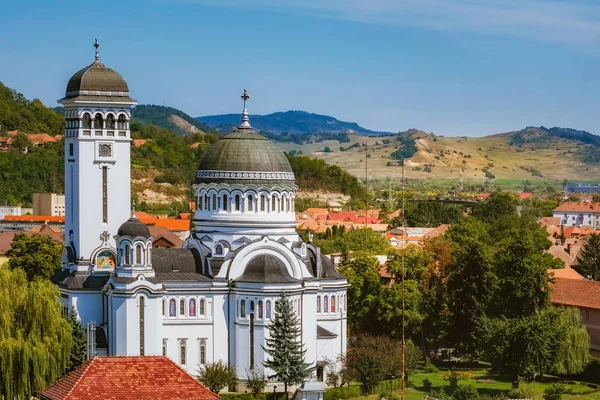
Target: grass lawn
{"x": 490, "y": 385}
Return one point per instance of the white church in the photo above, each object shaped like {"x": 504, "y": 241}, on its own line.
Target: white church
{"x": 214, "y": 298}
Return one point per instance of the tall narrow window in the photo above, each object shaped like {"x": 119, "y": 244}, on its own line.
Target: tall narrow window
{"x": 225, "y": 202}
{"x": 200, "y": 202}
{"x": 237, "y": 202}
{"x": 250, "y": 201}
{"x": 268, "y": 309}
{"x": 164, "y": 347}
{"x": 251, "y": 340}
{"x": 263, "y": 200}
{"x": 202, "y": 307}
{"x": 214, "y": 202}
{"x": 163, "y": 308}
{"x": 251, "y": 306}
{"x": 138, "y": 254}
{"x": 87, "y": 121}
{"x": 243, "y": 309}
{"x": 192, "y": 306}
{"x": 98, "y": 121}
{"x": 202, "y": 351}
{"x": 71, "y": 149}
{"x": 122, "y": 122}
{"x": 273, "y": 203}
{"x": 105, "y": 195}
{"x": 142, "y": 308}
{"x": 206, "y": 202}
{"x": 333, "y": 304}
{"x": 182, "y": 352}
{"x": 318, "y": 304}
{"x": 182, "y": 307}
{"x": 325, "y": 304}
{"x": 127, "y": 254}
{"x": 110, "y": 121}
{"x": 260, "y": 309}
{"x": 172, "y": 308}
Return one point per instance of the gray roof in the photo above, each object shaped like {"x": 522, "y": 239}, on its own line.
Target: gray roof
{"x": 328, "y": 270}
{"x": 134, "y": 227}
{"x": 266, "y": 268}
{"x": 179, "y": 277}
{"x": 244, "y": 150}
{"x": 96, "y": 80}
{"x": 176, "y": 260}
{"x": 79, "y": 280}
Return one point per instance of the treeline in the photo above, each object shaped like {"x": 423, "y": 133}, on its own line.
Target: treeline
{"x": 301, "y": 138}
{"x": 313, "y": 174}
{"x": 31, "y": 116}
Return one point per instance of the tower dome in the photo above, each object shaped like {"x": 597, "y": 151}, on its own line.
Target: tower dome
{"x": 244, "y": 156}
{"x": 97, "y": 82}
{"x": 133, "y": 227}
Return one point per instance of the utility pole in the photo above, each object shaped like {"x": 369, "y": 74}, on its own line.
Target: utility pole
{"x": 403, "y": 248}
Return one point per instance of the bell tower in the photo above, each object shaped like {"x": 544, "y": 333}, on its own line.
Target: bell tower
{"x": 97, "y": 165}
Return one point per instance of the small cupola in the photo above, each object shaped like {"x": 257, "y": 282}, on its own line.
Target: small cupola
{"x": 134, "y": 242}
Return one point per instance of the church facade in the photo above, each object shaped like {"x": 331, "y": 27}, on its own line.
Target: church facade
{"x": 214, "y": 298}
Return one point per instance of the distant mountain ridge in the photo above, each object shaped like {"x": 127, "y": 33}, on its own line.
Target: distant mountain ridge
{"x": 290, "y": 122}
{"x": 168, "y": 118}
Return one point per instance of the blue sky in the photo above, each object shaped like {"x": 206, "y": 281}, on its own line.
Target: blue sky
{"x": 453, "y": 67}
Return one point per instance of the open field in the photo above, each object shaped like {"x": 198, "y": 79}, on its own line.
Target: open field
{"x": 550, "y": 162}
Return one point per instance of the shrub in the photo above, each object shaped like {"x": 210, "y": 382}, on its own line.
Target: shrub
{"x": 465, "y": 392}
{"x": 389, "y": 396}
{"x": 257, "y": 380}
{"x": 427, "y": 385}
{"x": 554, "y": 392}
{"x": 346, "y": 392}
{"x": 591, "y": 372}
{"x": 217, "y": 375}
{"x": 431, "y": 368}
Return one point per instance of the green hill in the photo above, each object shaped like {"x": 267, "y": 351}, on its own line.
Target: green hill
{"x": 168, "y": 118}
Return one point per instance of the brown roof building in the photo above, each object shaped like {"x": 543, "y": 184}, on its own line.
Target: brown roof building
{"x": 128, "y": 378}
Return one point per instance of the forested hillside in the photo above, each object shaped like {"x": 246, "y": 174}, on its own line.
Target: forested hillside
{"x": 168, "y": 118}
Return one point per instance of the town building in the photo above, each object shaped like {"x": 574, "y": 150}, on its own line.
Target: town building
{"x": 49, "y": 204}
{"x": 578, "y": 214}
{"x": 128, "y": 378}
{"x": 10, "y": 210}
{"x": 581, "y": 188}
{"x": 214, "y": 298}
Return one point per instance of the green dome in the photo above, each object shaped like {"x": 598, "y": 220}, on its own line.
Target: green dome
{"x": 244, "y": 156}
{"x": 98, "y": 82}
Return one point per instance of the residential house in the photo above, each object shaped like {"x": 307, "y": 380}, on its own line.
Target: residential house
{"x": 578, "y": 214}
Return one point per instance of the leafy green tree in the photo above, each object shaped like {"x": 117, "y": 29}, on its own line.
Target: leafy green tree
{"x": 21, "y": 142}
{"x": 38, "y": 255}
{"x": 498, "y": 205}
{"x": 217, "y": 375}
{"x": 35, "y": 339}
{"x": 256, "y": 380}
{"x": 429, "y": 214}
{"x": 79, "y": 348}
{"x": 284, "y": 345}
{"x": 368, "y": 360}
{"x": 588, "y": 261}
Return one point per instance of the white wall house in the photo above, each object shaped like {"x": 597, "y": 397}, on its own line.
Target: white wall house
{"x": 578, "y": 214}
{"x": 214, "y": 298}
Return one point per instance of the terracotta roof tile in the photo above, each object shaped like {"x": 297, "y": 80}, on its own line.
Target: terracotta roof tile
{"x": 571, "y": 206}
{"x": 576, "y": 292}
{"x": 568, "y": 273}
{"x": 34, "y": 218}
{"x": 127, "y": 378}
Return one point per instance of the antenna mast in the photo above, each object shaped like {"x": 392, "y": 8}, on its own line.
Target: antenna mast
{"x": 403, "y": 247}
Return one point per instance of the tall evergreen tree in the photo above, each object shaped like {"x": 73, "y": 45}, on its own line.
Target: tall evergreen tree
{"x": 79, "y": 348}
{"x": 588, "y": 262}
{"x": 284, "y": 345}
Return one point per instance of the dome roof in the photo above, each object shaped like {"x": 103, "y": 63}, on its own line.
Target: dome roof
{"x": 133, "y": 227}
{"x": 244, "y": 155}
{"x": 266, "y": 268}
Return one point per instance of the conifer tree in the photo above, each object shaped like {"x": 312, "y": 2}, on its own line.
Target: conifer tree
{"x": 284, "y": 345}
{"x": 79, "y": 348}
{"x": 588, "y": 262}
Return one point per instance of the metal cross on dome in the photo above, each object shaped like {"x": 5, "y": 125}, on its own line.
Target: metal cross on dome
{"x": 245, "y": 119}
{"x": 96, "y": 45}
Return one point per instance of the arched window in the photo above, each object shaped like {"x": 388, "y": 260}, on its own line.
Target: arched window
{"x": 318, "y": 304}
{"x": 333, "y": 304}
{"x": 325, "y": 304}
{"x": 250, "y": 201}
{"x": 142, "y": 325}
{"x": 192, "y": 309}
{"x": 98, "y": 124}
{"x": 86, "y": 121}
{"x": 172, "y": 308}
{"x": 200, "y": 202}
{"x": 260, "y": 309}
{"x": 268, "y": 309}
{"x": 214, "y": 202}
{"x": 218, "y": 250}
{"x": 251, "y": 306}
{"x": 237, "y": 202}
{"x": 243, "y": 309}
{"x": 138, "y": 254}
{"x": 110, "y": 121}
{"x": 122, "y": 122}
{"x": 263, "y": 201}
{"x": 163, "y": 308}
{"x": 127, "y": 254}
{"x": 225, "y": 202}
{"x": 202, "y": 308}
{"x": 206, "y": 202}
{"x": 181, "y": 307}
{"x": 273, "y": 203}
{"x": 287, "y": 205}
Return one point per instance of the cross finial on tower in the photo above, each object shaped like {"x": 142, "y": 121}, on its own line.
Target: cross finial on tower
{"x": 245, "y": 120}
{"x": 133, "y": 208}
{"x": 96, "y": 45}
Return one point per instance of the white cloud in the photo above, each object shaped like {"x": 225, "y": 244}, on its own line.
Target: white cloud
{"x": 575, "y": 22}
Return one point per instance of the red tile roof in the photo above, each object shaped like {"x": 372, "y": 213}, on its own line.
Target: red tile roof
{"x": 525, "y": 195}
{"x": 567, "y": 273}
{"x": 126, "y": 378}
{"x": 34, "y": 218}
{"x": 571, "y": 206}
{"x": 576, "y": 292}
{"x": 7, "y": 237}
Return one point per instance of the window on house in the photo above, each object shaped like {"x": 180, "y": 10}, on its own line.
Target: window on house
{"x": 86, "y": 122}
{"x": 263, "y": 201}
{"x": 206, "y": 202}
{"x": 98, "y": 123}
{"x": 181, "y": 307}
{"x": 127, "y": 252}
{"x": 138, "y": 254}
{"x": 250, "y": 201}
{"x": 182, "y": 352}
{"x": 142, "y": 310}
{"x": 243, "y": 309}
{"x": 203, "y": 351}
{"x": 71, "y": 149}
{"x": 202, "y": 307}
{"x": 268, "y": 309}
{"x": 318, "y": 304}
{"x": 225, "y": 202}
{"x": 164, "y": 347}
{"x": 163, "y": 308}
{"x": 172, "y": 308}
{"x": 251, "y": 306}
{"x": 192, "y": 306}
{"x": 110, "y": 121}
